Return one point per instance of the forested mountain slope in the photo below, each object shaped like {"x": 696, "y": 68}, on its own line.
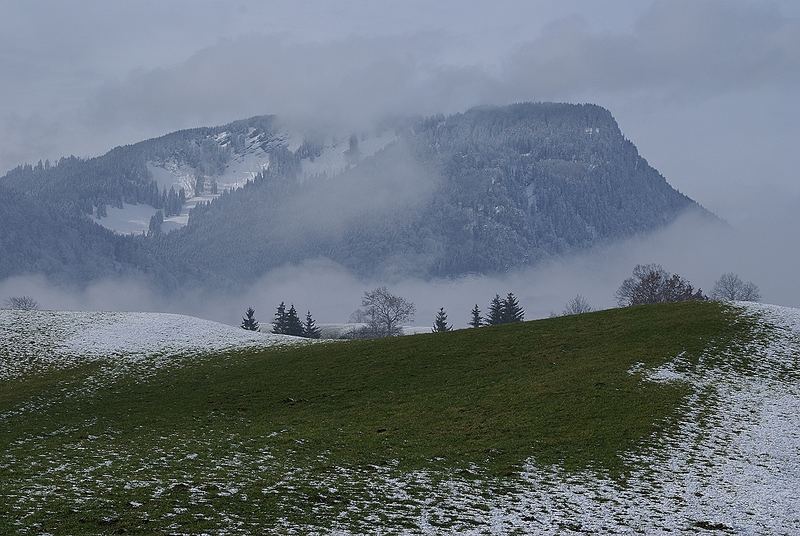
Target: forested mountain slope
{"x": 478, "y": 192}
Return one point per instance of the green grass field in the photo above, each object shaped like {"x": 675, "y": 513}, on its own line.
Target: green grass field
{"x": 290, "y": 437}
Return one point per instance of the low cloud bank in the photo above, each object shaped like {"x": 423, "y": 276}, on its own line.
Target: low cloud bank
{"x": 693, "y": 247}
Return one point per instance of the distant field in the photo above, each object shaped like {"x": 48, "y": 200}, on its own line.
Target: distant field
{"x": 622, "y": 419}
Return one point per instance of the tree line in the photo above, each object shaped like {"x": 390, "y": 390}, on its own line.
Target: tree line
{"x": 383, "y": 313}
{"x": 285, "y": 322}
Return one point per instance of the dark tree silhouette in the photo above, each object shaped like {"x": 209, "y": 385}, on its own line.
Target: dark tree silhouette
{"x": 477, "y": 319}
{"x": 384, "y": 313}
{"x": 440, "y": 324}
{"x": 310, "y": 328}
{"x": 279, "y": 323}
{"x": 650, "y": 283}
{"x": 293, "y": 324}
{"x": 249, "y": 320}
{"x": 495, "y": 311}
{"x": 511, "y": 310}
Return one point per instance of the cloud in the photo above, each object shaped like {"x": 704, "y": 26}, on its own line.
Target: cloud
{"x": 348, "y": 82}
{"x": 678, "y": 49}
{"x": 705, "y": 89}
{"x": 225, "y": 63}
{"x": 694, "y": 247}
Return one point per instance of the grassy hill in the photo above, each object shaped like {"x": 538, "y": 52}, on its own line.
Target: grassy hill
{"x": 354, "y": 436}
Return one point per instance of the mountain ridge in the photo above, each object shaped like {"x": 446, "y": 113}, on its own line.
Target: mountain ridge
{"x": 481, "y": 191}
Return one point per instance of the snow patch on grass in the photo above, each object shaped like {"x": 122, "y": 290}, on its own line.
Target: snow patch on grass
{"x": 730, "y": 465}
{"x": 35, "y": 340}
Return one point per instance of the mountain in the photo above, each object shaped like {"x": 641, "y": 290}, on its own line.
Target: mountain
{"x": 669, "y": 418}
{"x": 483, "y": 191}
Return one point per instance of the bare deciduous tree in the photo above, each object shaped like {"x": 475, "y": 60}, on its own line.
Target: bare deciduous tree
{"x": 577, "y": 305}
{"x": 21, "y": 303}
{"x": 730, "y": 287}
{"x": 652, "y": 284}
{"x": 384, "y": 313}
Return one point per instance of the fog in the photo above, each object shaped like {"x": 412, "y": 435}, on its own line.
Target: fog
{"x": 393, "y": 181}
{"x": 706, "y": 90}
{"x": 693, "y": 247}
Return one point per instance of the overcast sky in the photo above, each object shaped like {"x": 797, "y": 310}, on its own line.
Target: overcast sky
{"x": 705, "y": 89}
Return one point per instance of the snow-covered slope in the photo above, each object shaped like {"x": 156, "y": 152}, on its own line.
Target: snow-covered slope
{"x": 130, "y": 219}
{"x": 32, "y": 340}
{"x": 334, "y": 158}
{"x": 244, "y": 163}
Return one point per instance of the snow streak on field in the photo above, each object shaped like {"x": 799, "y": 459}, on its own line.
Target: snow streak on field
{"x": 733, "y": 464}
{"x": 34, "y": 340}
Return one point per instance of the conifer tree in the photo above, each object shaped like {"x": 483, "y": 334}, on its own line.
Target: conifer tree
{"x": 495, "y": 311}
{"x": 156, "y": 220}
{"x": 279, "y": 321}
{"x": 440, "y": 324}
{"x": 310, "y": 329}
{"x": 511, "y": 310}
{"x": 293, "y": 324}
{"x": 477, "y": 319}
{"x": 249, "y": 320}
{"x": 172, "y": 202}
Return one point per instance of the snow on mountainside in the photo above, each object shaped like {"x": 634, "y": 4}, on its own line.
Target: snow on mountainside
{"x": 480, "y": 192}
{"x": 130, "y": 219}
{"x": 334, "y": 159}
{"x": 33, "y": 340}
{"x": 247, "y": 160}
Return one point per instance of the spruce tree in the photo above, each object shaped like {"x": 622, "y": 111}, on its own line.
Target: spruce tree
{"x": 440, "y": 324}
{"x": 310, "y": 329}
{"x": 156, "y": 220}
{"x": 279, "y": 321}
{"x": 511, "y": 310}
{"x": 249, "y": 320}
{"x": 495, "y": 311}
{"x": 293, "y": 324}
{"x": 477, "y": 319}
{"x": 172, "y": 202}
